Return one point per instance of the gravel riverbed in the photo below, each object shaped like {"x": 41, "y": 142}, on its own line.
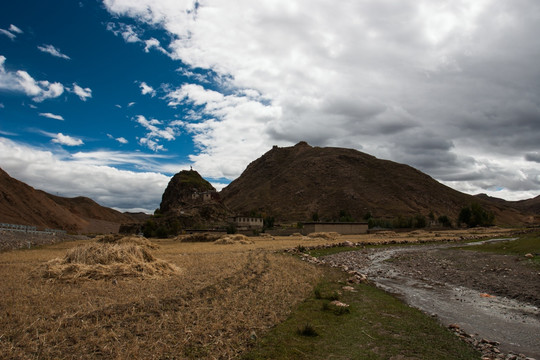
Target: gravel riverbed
{"x": 483, "y": 295}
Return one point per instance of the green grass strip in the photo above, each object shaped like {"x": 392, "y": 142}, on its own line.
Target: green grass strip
{"x": 376, "y": 325}
{"x": 526, "y": 244}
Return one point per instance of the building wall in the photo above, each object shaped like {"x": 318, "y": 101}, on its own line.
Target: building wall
{"x": 341, "y": 228}
{"x": 242, "y": 221}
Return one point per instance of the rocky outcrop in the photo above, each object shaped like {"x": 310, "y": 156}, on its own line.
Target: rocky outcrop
{"x": 190, "y": 201}
{"x": 185, "y": 189}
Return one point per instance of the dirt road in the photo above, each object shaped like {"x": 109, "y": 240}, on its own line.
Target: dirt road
{"x": 495, "y": 297}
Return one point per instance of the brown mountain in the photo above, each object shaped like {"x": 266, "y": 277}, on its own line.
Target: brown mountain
{"x": 293, "y": 183}
{"x": 529, "y": 206}
{"x": 22, "y": 204}
{"x": 99, "y": 219}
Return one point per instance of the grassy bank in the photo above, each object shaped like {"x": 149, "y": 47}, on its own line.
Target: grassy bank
{"x": 375, "y": 326}
{"x": 526, "y": 244}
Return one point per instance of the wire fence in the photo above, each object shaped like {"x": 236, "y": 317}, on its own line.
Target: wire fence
{"x": 29, "y": 229}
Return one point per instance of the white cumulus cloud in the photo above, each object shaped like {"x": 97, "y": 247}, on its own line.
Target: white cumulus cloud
{"x": 156, "y": 132}
{"x": 52, "y": 116}
{"x": 15, "y": 29}
{"x": 147, "y": 89}
{"x": 50, "y": 49}
{"x": 21, "y": 81}
{"x": 65, "y": 140}
{"x": 68, "y": 174}
{"x": 9, "y": 34}
{"x": 82, "y": 93}
{"x": 121, "y": 140}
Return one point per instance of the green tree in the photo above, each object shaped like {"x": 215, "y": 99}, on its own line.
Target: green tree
{"x": 149, "y": 229}
{"x": 161, "y": 232}
{"x": 465, "y": 216}
{"x": 475, "y": 215}
{"x": 419, "y": 221}
{"x": 231, "y": 229}
{"x": 367, "y": 216}
{"x": 345, "y": 216}
{"x": 268, "y": 222}
{"x": 444, "y": 221}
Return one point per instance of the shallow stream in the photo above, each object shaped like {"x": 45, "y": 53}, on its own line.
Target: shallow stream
{"x": 514, "y": 325}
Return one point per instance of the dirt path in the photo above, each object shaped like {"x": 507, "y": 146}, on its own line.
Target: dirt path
{"x": 494, "y": 296}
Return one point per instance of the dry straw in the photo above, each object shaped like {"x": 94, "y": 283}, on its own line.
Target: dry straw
{"x": 119, "y": 239}
{"x": 234, "y": 239}
{"x": 107, "y": 260}
{"x": 203, "y": 237}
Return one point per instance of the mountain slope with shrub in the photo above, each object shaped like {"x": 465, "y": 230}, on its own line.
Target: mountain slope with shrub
{"x": 22, "y": 204}
{"x": 302, "y": 182}
{"x": 529, "y": 206}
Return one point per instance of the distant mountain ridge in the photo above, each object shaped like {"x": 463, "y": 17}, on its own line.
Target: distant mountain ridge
{"x": 294, "y": 183}
{"x": 22, "y": 204}
{"x": 531, "y": 206}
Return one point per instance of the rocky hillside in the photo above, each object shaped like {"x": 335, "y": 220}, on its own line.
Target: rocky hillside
{"x": 87, "y": 208}
{"x": 22, "y": 204}
{"x": 190, "y": 201}
{"x": 294, "y": 183}
{"x": 182, "y": 188}
{"x": 529, "y": 206}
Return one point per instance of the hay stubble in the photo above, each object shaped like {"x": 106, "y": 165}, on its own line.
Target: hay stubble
{"x": 209, "y": 310}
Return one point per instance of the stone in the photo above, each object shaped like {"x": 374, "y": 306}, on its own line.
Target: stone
{"x": 529, "y": 255}
{"x": 339, "y": 304}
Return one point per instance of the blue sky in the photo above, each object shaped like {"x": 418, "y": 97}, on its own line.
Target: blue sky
{"x": 94, "y": 58}
{"x": 108, "y": 99}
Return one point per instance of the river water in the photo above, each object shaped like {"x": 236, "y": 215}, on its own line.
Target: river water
{"x": 513, "y": 324}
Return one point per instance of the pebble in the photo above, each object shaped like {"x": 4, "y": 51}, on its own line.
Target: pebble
{"x": 489, "y": 349}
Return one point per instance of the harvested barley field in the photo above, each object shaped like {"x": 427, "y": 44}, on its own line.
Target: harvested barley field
{"x": 159, "y": 299}
{"x": 217, "y": 300}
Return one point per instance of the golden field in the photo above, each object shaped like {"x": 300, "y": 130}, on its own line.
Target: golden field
{"x": 214, "y": 303}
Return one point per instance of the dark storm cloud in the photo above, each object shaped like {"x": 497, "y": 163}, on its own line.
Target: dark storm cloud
{"x": 535, "y": 157}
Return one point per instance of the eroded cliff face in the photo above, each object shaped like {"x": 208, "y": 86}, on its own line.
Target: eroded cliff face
{"x": 185, "y": 189}
{"x": 189, "y": 201}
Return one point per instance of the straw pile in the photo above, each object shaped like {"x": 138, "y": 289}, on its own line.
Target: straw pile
{"x": 204, "y": 237}
{"x": 107, "y": 260}
{"x": 234, "y": 239}
{"x": 119, "y": 239}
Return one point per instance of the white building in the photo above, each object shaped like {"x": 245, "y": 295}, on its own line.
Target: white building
{"x": 245, "y": 222}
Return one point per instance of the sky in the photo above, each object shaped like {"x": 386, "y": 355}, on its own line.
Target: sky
{"x": 108, "y": 99}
